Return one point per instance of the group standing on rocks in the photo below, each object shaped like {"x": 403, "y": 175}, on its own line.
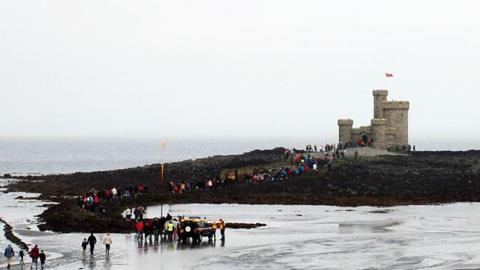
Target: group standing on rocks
{"x": 303, "y": 161}
{"x": 93, "y": 200}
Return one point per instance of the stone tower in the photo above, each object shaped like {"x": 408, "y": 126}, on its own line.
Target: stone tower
{"x": 396, "y": 114}
{"x": 345, "y": 130}
{"x": 379, "y": 99}
{"x": 379, "y": 126}
{"x": 389, "y": 126}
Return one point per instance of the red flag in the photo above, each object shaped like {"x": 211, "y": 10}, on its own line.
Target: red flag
{"x": 388, "y": 75}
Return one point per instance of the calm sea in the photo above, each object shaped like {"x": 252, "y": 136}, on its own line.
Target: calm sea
{"x": 47, "y": 156}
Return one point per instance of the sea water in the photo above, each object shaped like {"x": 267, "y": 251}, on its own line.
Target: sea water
{"x": 47, "y": 156}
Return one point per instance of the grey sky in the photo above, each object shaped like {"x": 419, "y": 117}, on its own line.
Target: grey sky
{"x": 154, "y": 68}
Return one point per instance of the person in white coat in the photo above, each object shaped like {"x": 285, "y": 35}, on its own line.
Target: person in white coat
{"x": 107, "y": 240}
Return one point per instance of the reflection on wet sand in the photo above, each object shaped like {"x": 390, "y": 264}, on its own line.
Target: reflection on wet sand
{"x": 297, "y": 237}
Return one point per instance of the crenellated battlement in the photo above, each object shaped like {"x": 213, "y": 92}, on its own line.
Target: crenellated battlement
{"x": 361, "y": 130}
{"x": 345, "y": 122}
{"x": 396, "y": 105}
{"x": 379, "y": 122}
{"x": 380, "y": 92}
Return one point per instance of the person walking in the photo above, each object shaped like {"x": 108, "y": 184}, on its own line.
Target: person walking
{"x": 9, "y": 254}
{"x": 140, "y": 225}
{"x": 43, "y": 258}
{"x": 128, "y": 214}
{"x": 107, "y": 240}
{"x": 170, "y": 228}
{"x": 35, "y": 253}
{"x": 92, "y": 241}
{"x": 222, "y": 229}
{"x": 21, "y": 254}
{"x": 84, "y": 245}
{"x": 214, "y": 228}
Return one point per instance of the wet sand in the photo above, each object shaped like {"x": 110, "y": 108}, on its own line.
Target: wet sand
{"x": 297, "y": 237}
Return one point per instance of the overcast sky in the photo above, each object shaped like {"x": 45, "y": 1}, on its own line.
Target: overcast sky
{"x": 235, "y": 68}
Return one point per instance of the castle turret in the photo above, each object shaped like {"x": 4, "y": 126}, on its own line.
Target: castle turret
{"x": 396, "y": 113}
{"x": 379, "y": 99}
{"x": 378, "y": 133}
{"x": 345, "y": 130}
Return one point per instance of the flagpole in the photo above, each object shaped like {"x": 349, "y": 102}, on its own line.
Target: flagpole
{"x": 162, "y": 162}
{"x": 163, "y": 146}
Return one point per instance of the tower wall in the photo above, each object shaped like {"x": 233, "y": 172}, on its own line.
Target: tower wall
{"x": 390, "y": 134}
{"x": 379, "y": 100}
{"x": 357, "y": 133}
{"x": 396, "y": 114}
{"x": 345, "y": 130}
{"x": 378, "y": 133}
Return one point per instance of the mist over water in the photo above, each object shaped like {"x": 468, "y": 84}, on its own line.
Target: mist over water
{"x": 47, "y": 156}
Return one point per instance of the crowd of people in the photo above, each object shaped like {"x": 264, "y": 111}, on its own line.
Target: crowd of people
{"x": 93, "y": 200}
{"x": 302, "y": 161}
{"x": 178, "y": 187}
{"x": 167, "y": 228}
{"x": 35, "y": 254}
{"x": 327, "y": 151}
{"x": 161, "y": 229}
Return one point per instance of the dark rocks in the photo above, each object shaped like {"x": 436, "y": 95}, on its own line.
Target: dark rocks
{"x": 200, "y": 169}
{"x": 381, "y": 211}
{"x": 8, "y": 232}
{"x": 244, "y": 225}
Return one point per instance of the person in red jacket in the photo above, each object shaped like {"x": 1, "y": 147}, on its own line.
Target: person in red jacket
{"x": 139, "y": 226}
{"x": 35, "y": 253}
{"x": 96, "y": 200}
{"x": 108, "y": 194}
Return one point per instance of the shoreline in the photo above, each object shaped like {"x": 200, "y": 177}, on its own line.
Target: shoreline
{"x": 10, "y": 236}
{"x": 416, "y": 179}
